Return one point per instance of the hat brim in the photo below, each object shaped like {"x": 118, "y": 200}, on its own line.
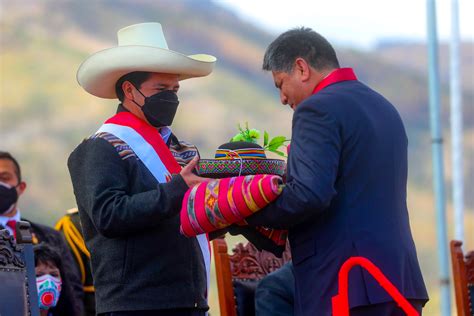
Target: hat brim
{"x": 99, "y": 73}
{"x": 214, "y": 168}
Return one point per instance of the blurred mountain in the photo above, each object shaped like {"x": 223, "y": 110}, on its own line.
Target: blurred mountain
{"x": 44, "y": 113}
{"x": 412, "y": 55}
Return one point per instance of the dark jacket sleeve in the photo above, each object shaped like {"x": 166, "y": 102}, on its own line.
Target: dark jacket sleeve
{"x": 102, "y": 188}
{"x": 312, "y": 169}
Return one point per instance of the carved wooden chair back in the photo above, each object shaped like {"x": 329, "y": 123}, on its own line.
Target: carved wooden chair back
{"x": 463, "y": 276}
{"x": 18, "y": 294}
{"x": 238, "y": 275}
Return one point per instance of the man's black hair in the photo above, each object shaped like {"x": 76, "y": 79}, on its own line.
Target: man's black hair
{"x": 301, "y": 42}
{"x": 136, "y": 78}
{"x": 8, "y": 156}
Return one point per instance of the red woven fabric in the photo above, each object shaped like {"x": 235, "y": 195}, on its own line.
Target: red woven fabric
{"x": 216, "y": 204}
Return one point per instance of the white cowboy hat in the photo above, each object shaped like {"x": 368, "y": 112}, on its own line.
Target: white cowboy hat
{"x": 141, "y": 47}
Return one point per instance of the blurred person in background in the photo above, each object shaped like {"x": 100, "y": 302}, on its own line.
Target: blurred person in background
{"x": 70, "y": 227}
{"x": 55, "y": 295}
{"x": 12, "y": 188}
{"x": 275, "y": 293}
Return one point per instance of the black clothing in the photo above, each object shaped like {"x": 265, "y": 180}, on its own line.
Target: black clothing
{"x": 130, "y": 222}
{"x": 345, "y": 196}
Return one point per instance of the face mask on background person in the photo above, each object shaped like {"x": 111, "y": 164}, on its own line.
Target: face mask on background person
{"x": 160, "y": 108}
{"x": 49, "y": 289}
{"x": 8, "y": 197}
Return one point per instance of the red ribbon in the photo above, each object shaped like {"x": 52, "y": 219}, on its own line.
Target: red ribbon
{"x": 151, "y": 135}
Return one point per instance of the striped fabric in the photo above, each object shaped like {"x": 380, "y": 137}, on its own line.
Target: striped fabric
{"x": 216, "y": 204}
{"x": 183, "y": 153}
{"x": 123, "y": 150}
{"x": 241, "y": 153}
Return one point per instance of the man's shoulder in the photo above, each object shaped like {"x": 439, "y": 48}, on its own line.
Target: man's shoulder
{"x": 40, "y": 227}
{"x": 121, "y": 147}
{"x": 43, "y": 232}
{"x": 339, "y": 90}
{"x": 101, "y": 144}
{"x": 342, "y": 98}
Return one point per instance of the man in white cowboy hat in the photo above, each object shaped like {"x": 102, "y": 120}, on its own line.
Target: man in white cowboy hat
{"x": 129, "y": 179}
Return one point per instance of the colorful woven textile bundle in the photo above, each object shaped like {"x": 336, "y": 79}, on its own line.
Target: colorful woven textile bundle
{"x": 240, "y": 159}
{"x": 216, "y": 204}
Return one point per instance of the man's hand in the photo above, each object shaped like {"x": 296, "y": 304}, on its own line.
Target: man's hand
{"x": 189, "y": 177}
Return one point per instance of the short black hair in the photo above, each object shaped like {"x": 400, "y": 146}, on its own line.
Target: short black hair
{"x": 136, "y": 78}
{"x": 299, "y": 42}
{"x": 8, "y": 156}
{"x": 47, "y": 253}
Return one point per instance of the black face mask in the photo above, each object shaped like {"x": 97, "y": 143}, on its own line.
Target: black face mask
{"x": 160, "y": 108}
{"x": 8, "y": 197}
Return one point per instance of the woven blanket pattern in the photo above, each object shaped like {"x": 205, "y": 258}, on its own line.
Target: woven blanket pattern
{"x": 122, "y": 148}
{"x": 216, "y": 204}
{"x": 246, "y": 166}
{"x": 183, "y": 153}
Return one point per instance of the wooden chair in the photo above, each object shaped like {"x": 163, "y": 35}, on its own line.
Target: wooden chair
{"x": 463, "y": 275}
{"x": 240, "y": 273}
{"x": 18, "y": 292}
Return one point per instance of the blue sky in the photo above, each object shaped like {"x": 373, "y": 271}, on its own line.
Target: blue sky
{"x": 355, "y": 22}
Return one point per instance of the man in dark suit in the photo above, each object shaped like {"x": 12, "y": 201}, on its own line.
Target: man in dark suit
{"x": 11, "y": 188}
{"x": 345, "y": 194}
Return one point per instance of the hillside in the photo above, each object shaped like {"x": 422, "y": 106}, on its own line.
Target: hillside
{"x": 44, "y": 114}
{"x": 412, "y": 55}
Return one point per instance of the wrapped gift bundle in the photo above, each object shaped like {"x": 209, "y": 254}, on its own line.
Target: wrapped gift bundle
{"x": 244, "y": 181}
{"x": 219, "y": 203}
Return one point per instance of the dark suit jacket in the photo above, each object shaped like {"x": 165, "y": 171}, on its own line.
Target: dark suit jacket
{"x": 346, "y": 196}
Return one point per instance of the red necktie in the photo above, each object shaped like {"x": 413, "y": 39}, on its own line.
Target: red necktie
{"x": 12, "y": 224}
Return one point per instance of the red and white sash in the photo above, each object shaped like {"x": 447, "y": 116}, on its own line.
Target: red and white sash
{"x": 148, "y": 145}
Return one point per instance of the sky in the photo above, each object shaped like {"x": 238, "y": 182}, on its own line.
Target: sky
{"x": 359, "y": 23}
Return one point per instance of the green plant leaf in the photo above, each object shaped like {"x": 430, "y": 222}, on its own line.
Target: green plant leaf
{"x": 240, "y": 129}
{"x": 254, "y": 133}
{"x": 276, "y": 142}
{"x": 279, "y": 153}
{"x": 265, "y": 138}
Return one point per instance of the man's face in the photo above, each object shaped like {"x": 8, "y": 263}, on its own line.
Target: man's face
{"x": 157, "y": 82}
{"x": 8, "y": 175}
{"x": 291, "y": 88}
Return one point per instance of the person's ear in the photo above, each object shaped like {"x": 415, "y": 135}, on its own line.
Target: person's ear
{"x": 21, "y": 187}
{"x": 128, "y": 88}
{"x": 303, "y": 69}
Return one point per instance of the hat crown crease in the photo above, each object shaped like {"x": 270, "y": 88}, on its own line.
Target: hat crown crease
{"x": 145, "y": 34}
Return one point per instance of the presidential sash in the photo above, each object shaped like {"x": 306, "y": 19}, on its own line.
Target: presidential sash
{"x": 148, "y": 145}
